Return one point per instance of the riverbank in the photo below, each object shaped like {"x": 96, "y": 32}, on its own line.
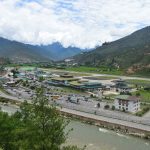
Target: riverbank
{"x": 97, "y": 138}
{"x": 122, "y": 126}
{"x": 119, "y": 126}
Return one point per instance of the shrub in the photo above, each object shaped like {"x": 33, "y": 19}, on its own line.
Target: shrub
{"x": 113, "y": 107}
{"x": 106, "y": 106}
{"x": 138, "y": 94}
{"x": 143, "y": 111}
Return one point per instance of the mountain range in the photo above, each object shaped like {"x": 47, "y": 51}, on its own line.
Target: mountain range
{"x": 17, "y": 51}
{"x": 131, "y": 53}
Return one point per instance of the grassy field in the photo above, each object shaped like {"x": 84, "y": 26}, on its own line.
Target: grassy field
{"x": 145, "y": 95}
{"x": 99, "y": 70}
{"x": 138, "y": 82}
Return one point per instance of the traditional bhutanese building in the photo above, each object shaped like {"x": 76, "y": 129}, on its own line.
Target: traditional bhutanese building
{"x": 127, "y": 103}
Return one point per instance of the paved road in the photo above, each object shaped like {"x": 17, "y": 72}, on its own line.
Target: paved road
{"x": 88, "y": 107}
{"x": 10, "y": 97}
{"x": 10, "y": 109}
{"x": 110, "y": 120}
{"x": 102, "y": 116}
{"x": 147, "y": 115}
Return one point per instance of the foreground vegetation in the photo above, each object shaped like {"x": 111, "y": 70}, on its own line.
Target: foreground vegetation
{"x": 36, "y": 126}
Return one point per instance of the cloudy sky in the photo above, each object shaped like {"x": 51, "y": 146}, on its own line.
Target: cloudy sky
{"x": 80, "y": 23}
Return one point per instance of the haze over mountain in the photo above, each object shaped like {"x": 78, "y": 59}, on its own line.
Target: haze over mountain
{"x": 132, "y": 52}
{"x": 26, "y": 53}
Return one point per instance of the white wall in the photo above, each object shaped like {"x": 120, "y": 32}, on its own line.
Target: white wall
{"x": 132, "y": 106}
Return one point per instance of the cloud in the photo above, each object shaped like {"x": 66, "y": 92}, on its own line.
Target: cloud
{"x": 80, "y": 23}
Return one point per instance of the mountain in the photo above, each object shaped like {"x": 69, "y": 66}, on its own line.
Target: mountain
{"x": 57, "y": 52}
{"x": 131, "y": 53}
{"x": 20, "y": 52}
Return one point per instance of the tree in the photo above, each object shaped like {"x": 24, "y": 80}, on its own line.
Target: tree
{"x": 44, "y": 124}
{"x": 98, "y": 105}
{"x": 113, "y": 107}
{"x": 106, "y": 106}
{"x": 138, "y": 94}
{"x": 15, "y": 72}
{"x": 8, "y": 126}
{"x": 37, "y": 126}
{"x": 41, "y": 79}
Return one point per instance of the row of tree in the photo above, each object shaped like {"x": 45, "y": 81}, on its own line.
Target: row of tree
{"x": 36, "y": 126}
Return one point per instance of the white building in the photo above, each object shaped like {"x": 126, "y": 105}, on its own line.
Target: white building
{"x": 127, "y": 103}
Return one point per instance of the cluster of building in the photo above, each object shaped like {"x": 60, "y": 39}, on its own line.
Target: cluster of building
{"x": 121, "y": 102}
{"x": 83, "y": 84}
{"x": 71, "y": 81}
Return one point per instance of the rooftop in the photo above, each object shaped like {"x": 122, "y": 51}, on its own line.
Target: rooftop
{"x": 66, "y": 75}
{"x": 127, "y": 97}
{"x": 63, "y": 79}
{"x": 79, "y": 83}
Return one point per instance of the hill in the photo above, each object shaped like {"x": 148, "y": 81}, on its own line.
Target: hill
{"x": 19, "y": 52}
{"x": 131, "y": 53}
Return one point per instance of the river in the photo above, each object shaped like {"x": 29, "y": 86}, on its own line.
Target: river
{"x": 96, "y": 138}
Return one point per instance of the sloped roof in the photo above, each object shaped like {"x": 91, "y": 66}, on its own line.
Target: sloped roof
{"x": 128, "y": 97}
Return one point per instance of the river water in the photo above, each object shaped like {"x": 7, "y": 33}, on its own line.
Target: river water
{"x": 96, "y": 138}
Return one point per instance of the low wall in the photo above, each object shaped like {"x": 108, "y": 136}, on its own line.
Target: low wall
{"x": 112, "y": 126}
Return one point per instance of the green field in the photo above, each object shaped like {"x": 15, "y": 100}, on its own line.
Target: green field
{"x": 99, "y": 70}
{"x": 27, "y": 68}
{"x": 145, "y": 95}
{"x": 138, "y": 82}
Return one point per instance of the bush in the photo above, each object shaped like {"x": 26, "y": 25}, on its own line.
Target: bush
{"x": 138, "y": 94}
{"x": 113, "y": 107}
{"x": 106, "y": 106}
{"x": 143, "y": 111}
{"x": 123, "y": 110}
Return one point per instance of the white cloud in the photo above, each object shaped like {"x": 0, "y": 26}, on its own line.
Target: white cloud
{"x": 81, "y": 23}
